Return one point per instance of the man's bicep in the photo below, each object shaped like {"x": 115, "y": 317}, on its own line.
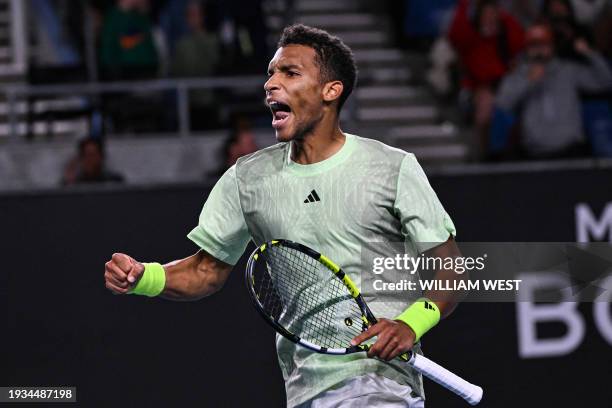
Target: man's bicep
{"x": 211, "y": 265}
{"x": 423, "y": 218}
{"x": 222, "y": 231}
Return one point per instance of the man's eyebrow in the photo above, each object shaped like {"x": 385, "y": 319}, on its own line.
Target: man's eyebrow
{"x": 284, "y": 67}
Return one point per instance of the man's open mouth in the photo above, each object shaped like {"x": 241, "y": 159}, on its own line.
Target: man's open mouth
{"x": 280, "y": 113}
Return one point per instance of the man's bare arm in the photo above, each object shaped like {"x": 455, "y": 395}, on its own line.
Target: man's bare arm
{"x": 195, "y": 277}
{"x": 446, "y": 300}
{"x": 191, "y": 278}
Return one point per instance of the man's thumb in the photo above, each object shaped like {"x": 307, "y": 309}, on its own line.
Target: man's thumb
{"x": 136, "y": 272}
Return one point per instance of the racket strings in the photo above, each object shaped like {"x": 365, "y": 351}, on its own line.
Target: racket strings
{"x": 306, "y": 298}
{"x": 309, "y": 301}
{"x": 314, "y": 300}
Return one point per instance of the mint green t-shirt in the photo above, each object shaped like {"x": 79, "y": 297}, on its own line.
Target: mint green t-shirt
{"x": 364, "y": 194}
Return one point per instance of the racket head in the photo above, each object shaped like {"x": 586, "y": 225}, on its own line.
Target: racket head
{"x": 306, "y": 297}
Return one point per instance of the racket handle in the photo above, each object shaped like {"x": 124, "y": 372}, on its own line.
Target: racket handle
{"x": 470, "y": 392}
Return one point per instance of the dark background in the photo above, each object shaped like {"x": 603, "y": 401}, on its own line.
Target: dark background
{"x": 60, "y": 326}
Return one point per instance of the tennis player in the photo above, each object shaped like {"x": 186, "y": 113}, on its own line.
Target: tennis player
{"x": 334, "y": 192}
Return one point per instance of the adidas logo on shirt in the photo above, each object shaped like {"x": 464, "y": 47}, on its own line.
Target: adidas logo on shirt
{"x": 312, "y": 197}
{"x": 428, "y": 306}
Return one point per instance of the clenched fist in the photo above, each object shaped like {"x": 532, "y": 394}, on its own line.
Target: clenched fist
{"x": 122, "y": 273}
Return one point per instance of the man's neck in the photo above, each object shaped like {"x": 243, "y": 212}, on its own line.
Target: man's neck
{"x": 320, "y": 144}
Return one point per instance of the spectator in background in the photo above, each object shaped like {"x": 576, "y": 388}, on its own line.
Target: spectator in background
{"x": 560, "y": 16}
{"x": 172, "y": 22}
{"x": 243, "y": 35}
{"x": 486, "y": 39}
{"x": 544, "y": 91}
{"x": 241, "y": 142}
{"x": 587, "y": 12}
{"x": 602, "y": 31}
{"x": 89, "y": 166}
{"x": 197, "y": 55}
{"x": 127, "y": 46}
{"x": 597, "y": 16}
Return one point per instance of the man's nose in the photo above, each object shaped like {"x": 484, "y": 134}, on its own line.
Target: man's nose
{"x": 271, "y": 84}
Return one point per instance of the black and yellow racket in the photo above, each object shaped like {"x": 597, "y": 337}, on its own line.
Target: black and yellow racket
{"x": 308, "y": 299}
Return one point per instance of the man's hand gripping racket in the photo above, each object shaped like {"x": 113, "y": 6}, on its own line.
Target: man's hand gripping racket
{"x": 310, "y": 301}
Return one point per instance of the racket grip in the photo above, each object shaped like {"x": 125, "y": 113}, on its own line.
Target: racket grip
{"x": 470, "y": 392}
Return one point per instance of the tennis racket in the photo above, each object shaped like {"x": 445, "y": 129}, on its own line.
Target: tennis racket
{"x": 309, "y": 300}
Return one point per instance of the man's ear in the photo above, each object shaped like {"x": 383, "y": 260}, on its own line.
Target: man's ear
{"x": 332, "y": 91}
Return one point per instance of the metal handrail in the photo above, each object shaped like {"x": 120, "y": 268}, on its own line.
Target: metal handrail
{"x": 181, "y": 86}
{"x": 135, "y": 86}
{"x": 18, "y": 43}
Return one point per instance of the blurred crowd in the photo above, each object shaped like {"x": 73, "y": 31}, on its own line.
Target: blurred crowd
{"x": 186, "y": 38}
{"x": 532, "y": 77}
{"x": 150, "y": 39}
{"x": 126, "y": 40}
{"x": 138, "y": 39}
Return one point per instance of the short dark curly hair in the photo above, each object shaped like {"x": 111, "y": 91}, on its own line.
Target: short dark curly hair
{"x": 334, "y": 57}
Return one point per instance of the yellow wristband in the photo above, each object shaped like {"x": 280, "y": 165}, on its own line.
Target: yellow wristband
{"x": 152, "y": 281}
{"x": 421, "y": 316}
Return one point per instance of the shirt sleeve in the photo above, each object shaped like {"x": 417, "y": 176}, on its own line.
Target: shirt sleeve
{"x": 595, "y": 76}
{"x": 423, "y": 218}
{"x": 222, "y": 230}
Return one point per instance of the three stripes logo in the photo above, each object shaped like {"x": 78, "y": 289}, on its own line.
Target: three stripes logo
{"x": 312, "y": 197}
{"x": 428, "y": 306}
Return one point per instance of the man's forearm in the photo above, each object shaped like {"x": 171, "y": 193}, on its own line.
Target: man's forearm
{"x": 195, "y": 277}
{"x": 513, "y": 89}
{"x": 424, "y": 314}
{"x": 599, "y": 73}
{"x": 447, "y": 300}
